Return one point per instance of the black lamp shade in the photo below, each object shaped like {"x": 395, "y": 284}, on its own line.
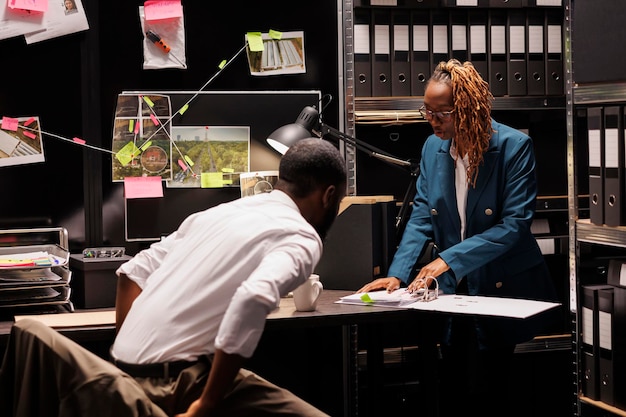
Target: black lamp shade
{"x": 284, "y": 137}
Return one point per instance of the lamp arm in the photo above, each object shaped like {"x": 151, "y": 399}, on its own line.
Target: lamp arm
{"x": 363, "y": 146}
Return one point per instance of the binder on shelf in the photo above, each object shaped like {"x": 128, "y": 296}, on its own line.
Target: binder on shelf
{"x": 613, "y": 167}
{"x": 616, "y": 274}
{"x": 380, "y": 53}
{"x": 536, "y": 60}
{"x": 362, "y": 60}
{"x": 590, "y": 346}
{"x": 400, "y": 59}
{"x": 497, "y": 53}
{"x": 439, "y": 34}
{"x": 420, "y": 53}
{"x": 605, "y": 336}
{"x": 458, "y": 34}
{"x": 596, "y": 160}
{"x": 466, "y": 3}
{"x": 619, "y": 347}
{"x": 554, "y": 48}
{"x": 543, "y": 3}
{"x": 478, "y": 42}
{"x": 516, "y": 27}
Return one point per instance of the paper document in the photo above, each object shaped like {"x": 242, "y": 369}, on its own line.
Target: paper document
{"x": 455, "y": 304}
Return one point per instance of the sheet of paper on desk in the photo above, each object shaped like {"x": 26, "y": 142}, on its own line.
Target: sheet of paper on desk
{"x": 61, "y": 320}
{"x": 460, "y": 304}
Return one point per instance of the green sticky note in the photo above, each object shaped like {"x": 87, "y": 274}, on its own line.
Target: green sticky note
{"x": 131, "y": 125}
{"x": 366, "y": 298}
{"x": 189, "y": 161}
{"x": 146, "y": 145}
{"x": 255, "y": 41}
{"x": 222, "y": 64}
{"x": 211, "y": 180}
{"x": 127, "y": 153}
{"x": 183, "y": 109}
{"x": 228, "y": 170}
{"x": 274, "y": 34}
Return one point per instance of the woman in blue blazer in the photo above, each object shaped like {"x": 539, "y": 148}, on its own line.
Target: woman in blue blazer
{"x": 475, "y": 201}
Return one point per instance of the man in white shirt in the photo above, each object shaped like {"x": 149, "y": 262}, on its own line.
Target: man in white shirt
{"x": 192, "y": 307}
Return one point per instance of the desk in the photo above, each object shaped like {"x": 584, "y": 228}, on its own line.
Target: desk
{"x": 328, "y": 314}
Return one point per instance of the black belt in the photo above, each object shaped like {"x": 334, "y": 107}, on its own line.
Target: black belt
{"x": 156, "y": 370}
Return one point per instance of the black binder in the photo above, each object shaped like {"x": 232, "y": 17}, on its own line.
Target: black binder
{"x": 589, "y": 347}
{"x": 458, "y": 34}
{"x": 478, "y": 42}
{"x": 605, "y": 333}
{"x": 613, "y": 167}
{"x": 400, "y": 59}
{"x": 596, "y": 160}
{"x": 380, "y": 53}
{"x": 555, "y": 82}
{"x": 421, "y": 66}
{"x": 497, "y": 53}
{"x": 505, "y": 3}
{"x": 516, "y": 28}
{"x": 362, "y": 59}
{"x": 440, "y": 50}
{"x": 616, "y": 273}
{"x": 619, "y": 347}
{"x": 536, "y": 59}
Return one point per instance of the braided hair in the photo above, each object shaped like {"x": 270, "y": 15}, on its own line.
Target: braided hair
{"x": 472, "y": 101}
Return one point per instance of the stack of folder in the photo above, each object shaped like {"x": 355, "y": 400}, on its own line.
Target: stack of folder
{"x": 516, "y": 46}
{"x": 607, "y": 165}
{"x": 603, "y": 349}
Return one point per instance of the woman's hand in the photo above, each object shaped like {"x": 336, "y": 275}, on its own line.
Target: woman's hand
{"x": 389, "y": 283}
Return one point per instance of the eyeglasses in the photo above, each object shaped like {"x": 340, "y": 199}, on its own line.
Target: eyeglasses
{"x": 440, "y": 115}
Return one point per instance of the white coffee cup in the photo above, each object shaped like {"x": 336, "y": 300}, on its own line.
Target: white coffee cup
{"x": 306, "y": 295}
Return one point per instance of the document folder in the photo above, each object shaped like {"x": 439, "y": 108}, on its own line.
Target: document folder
{"x": 613, "y": 167}
{"x": 401, "y": 59}
{"x": 517, "y": 52}
{"x": 478, "y": 42}
{"x": 596, "y": 160}
{"x": 605, "y": 333}
{"x": 362, "y": 59}
{"x": 439, "y": 31}
{"x": 381, "y": 61}
{"x": 497, "y": 53}
{"x": 536, "y": 60}
{"x": 420, "y": 54}
{"x": 554, "y": 67}
{"x": 590, "y": 341}
{"x": 458, "y": 34}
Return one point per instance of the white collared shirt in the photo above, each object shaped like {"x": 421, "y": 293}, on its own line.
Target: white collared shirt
{"x": 212, "y": 283}
{"x": 460, "y": 183}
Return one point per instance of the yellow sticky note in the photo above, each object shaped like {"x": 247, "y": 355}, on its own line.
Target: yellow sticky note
{"x": 211, "y": 180}
{"x": 274, "y": 34}
{"x": 222, "y": 64}
{"x": 146, "y": 145}
{"x": 127, "y": 153}
{"x": 228, "y": 170}
{"x": 131, "y": 125}
{"x": 147, "y": 100}
{"x": 183, "y": 109}
{"x": 255, "y": 41}
{"x": 189, "y": 161}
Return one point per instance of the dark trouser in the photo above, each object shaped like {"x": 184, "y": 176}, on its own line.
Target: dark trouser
{"x": 45, "y": 374}
{"x": 473, "y": 381}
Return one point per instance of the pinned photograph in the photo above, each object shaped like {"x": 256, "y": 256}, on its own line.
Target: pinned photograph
{"x": 20, "y": 141}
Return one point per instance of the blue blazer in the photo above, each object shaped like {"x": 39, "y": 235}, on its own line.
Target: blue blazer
{"x": 499, "y": 255}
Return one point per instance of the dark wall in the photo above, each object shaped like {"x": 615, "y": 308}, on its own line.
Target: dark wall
{"x": 72, "y": 83}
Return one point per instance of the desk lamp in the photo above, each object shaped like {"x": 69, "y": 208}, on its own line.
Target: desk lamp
{"x": 309, "y": 124}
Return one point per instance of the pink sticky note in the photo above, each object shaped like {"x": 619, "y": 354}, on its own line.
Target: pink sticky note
{"x": 154, "y": 120}
{"x": 9, "y": 123}
{"x": 34, "y": 5}
{"x": 143, "y": 187}
{"x": 30, "y": 134}
{"x": 79, "y": 140}
{"x": 182, "y": 165}
{"x": 136, "y": 127}
{"x": 155, "y": 10}
{"x": 29, "y": 121}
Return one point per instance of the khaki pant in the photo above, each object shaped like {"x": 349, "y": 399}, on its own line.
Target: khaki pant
{"x": 46, "y": 374}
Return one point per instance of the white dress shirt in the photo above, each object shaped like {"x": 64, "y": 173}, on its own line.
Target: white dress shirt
{"x": 212, "y": 283}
